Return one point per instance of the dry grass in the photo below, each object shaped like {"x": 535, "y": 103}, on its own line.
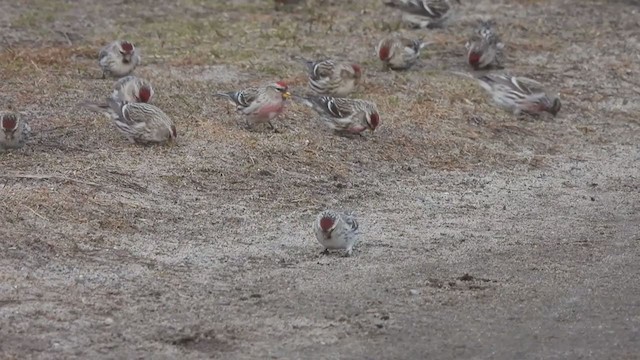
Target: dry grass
{"x": 79, "y": 195}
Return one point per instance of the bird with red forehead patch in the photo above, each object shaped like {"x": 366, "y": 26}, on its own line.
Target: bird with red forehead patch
{"x": 14, "y": 131}
{"x": 398, "y": 52}
{"x": 484, "y": 48}
{"x": 118, "y": 59}
{"x": 133, "y": 89}
{"x": 423, "y": 13}
{"x": 333, "y": 78}
{"x": 336, "y": 231}
{"x": 343, "y": 115}
{"x": 140, "y": 123}
{"x": 259, "y": 104}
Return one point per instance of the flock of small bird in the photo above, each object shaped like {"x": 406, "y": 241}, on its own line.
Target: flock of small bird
{"x": 330, "y": 81}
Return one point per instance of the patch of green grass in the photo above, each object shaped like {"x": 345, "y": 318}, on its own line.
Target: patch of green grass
{"x": 41, "y": 14}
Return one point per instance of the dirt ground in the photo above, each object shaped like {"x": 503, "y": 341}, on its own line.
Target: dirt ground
{"x": 484, "y": 236}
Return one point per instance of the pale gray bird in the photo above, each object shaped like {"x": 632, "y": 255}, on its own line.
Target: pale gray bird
{"x": 423, "y": 13}
{"x": 118, "y": 59}
{"x": 519, "y": 95}
{"x": 14, "y": 131}
{"x": 132, "y": 89}
{"x": 343, "y": 115}
{"x": 484, "y": 48}
{"x": 336, "y": 231}
{"x": 259, "y": 105}
{"x": 140, "y": 123}
{"x": 398, "y": 52}
{"x": 333, "y": 78}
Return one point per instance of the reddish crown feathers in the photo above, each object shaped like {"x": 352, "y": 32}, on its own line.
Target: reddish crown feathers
{"x": 356, "y": 69}
{"x": 326, "y": 223}
{"x": 384, "y": 53}
{"x": 126, "y": 46}
{"x": 9, "y": 122}
{"x": 144, "y": 94}
{"x": 375, "y": 120}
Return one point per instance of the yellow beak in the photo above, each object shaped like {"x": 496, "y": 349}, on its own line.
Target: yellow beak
{"x": 286, "y": 95}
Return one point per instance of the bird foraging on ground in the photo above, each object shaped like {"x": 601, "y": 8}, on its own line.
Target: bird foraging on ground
{"x": 259, "y": 105}
{"x": 132, "y": 89}
{"x": 118, "y": 59}
{"x": 336, "y": 231}
{"x": 423, "y": 13}
{"x": 333, "y": 78}
{"x": 484, "y": 48}
{"x": 14, "y": 131}
{"x": 398, "y": 52}
{"x": 343, "y": 115}
{"x": 140, "y": 123}
{"x": 517, "y": 94}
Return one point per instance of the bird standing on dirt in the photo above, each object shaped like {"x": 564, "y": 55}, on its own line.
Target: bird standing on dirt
{"x": 140, "y": 123}
{"x": 259, "y": 105}
{"x": 336, "y": 231}
{"x": 398, "y": 52}
{"x": 333, "y": 78}
{"x": 518, "y": 94}
{"x": 132, "y": 89}
{"x": 345, "y": 116}
{"x": 423, "y": 13}
{"x": 118, "y": 59}
{"x": 484, "y": 48}
{"x": 14, "y": 131}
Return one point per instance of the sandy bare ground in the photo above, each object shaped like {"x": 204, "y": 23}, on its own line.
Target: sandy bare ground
{"x": 485, "y": 236}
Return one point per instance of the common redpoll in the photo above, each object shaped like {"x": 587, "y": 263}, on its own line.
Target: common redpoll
{"x": 346, "y": 116}
{"x": 259, "y": 105}
{"x": 518, "y": 94}
{"x": 399, "y": 53}
{"x": 485, "y": 48}
{"x": 14, "y": 131}
{"x": 140, "y": 123}
{"x": 118, "y": 59}
{"x": 423, "y": 13}
{"x": 132, "y": 89}
{"x": 336, "y": 231}
{"x": 333, "y": 78}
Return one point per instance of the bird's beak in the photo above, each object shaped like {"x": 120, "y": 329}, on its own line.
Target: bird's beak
{"x": 286, "y": 95}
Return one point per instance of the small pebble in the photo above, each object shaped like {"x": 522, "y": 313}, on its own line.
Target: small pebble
{"x": 414, "y": 292}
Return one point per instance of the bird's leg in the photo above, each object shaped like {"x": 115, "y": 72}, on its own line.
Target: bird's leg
{"x": 325, "y": 252}
{"x": 349, "y": 252}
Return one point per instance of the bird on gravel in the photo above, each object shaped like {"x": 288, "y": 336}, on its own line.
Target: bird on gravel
{"x": 398, "y": 52}
{"x": 423, "y": 13}
{"x": 519, "y": 95}
{"x": 484, "y": 48}
{"x": 132, "y": 89}
{"x": 345, "y": 116}
{"x": 335, "y": 231}
{"x": 333, "y": 78}
{"x": 140, "y": 123}
{"x": 14, "y": 131}
{"x": 118, "y": 59}
{"x": 259, "y": 105}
